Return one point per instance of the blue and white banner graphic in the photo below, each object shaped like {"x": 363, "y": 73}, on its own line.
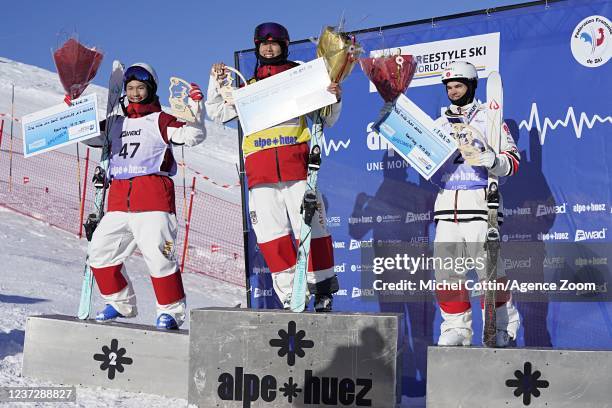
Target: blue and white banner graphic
{"x": 554, "y": 60}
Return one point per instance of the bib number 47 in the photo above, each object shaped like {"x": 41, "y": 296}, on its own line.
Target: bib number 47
{"x": 125, "y": 150}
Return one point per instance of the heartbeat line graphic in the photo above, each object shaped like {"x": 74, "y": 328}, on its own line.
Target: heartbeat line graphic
{"x": 333, "y": 145}
{"x": 578, "y": 124}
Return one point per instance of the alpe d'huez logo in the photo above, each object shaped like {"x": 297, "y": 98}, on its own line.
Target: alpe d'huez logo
{"x": 527, "y": 383}
{"x": 312, "y": 390}
{"x": 291, "y": 343}
{"x": 113, "y": 359}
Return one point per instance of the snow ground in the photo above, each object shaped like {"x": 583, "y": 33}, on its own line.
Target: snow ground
{"x": 40, "y": 273}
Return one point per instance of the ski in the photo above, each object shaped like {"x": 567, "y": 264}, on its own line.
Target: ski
{"x": 492, "y": 244}
{"x": 115, "y": 88}
{"x": 309, "y": 206}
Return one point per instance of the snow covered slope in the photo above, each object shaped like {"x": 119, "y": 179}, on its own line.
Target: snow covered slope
{"x": 37, "y": 89}
{"x": 40, "y": 273}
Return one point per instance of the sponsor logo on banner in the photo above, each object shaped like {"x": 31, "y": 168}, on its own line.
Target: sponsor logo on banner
{"x": 365, "y": 292}
{"x": 582, "y": 235}
{"x": 340, "y": 268}
{"x": 258, "y": 292}
{"x": 590, "y": 41}
{"x": 361, "y": 267}
{"x": 392, "y": 242}
{"x": 417, "y": 217}
{"x": 341, "y": 292}
{"x": 591, "y": 207}
{"x": 516, "y": 237}
{"x": 510, "y": 264}
{"x": 355, "y": 244}
{"x": 553, "y": 236}
{"x": 333, "y": 222}
{"x": 554, "y": 262}
{"x": 591, "y": 261}
{"x": 517, "y": 211}
{"x": 433, "y": 57}
{"x": 259, "y": 270}
{"x": 339, "y": 244}
{"x": 551, "y": 209}
{"x": 360, "y": 220}
{"x": 388, "y": 218}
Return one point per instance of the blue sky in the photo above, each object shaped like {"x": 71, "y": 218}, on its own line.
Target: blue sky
{"x": 183, "y": 38}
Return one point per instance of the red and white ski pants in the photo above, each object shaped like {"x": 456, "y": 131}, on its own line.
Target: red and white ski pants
{"x": 154, "y": 234}
{"x": 275, "y": 216}
{"x": 465, "y": 240}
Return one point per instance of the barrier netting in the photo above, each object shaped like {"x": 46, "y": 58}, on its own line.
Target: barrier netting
{"x": 49, "y": 187}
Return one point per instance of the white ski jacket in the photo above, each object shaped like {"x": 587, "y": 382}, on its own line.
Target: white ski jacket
{"x": 463, "y": 188}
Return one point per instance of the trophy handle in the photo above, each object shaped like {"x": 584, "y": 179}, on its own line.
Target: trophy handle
{"x": 234, "y": 70}
{"x": 225, "y": 88}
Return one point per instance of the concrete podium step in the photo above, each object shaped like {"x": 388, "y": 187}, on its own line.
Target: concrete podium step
{"x": 132, "y": 357}
{"x": 483, "y": 377}
{"x": 272, "y": 358}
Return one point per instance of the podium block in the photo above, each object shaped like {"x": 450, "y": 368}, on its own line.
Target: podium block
{"x": 514, "y": 377}
{"x": 131, "y": 357}
{"x": 271, "y": 358}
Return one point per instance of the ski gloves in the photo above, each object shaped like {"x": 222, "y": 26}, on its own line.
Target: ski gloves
{"x": 195, "y": 93}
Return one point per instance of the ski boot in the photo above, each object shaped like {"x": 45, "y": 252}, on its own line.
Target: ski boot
{"x": 323, "y": 303}
{"x": 108, "y": 314}
{"x": 166, "y": 322}
{"x": 503, "y": 339}
{"x": 455, "y": 337}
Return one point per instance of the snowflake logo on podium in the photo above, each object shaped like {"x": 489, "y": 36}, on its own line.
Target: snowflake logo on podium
{"x": 291, "y": 343}
{"x": 290, "y": 390}
{"x": 112, "y": 359}
{"x": 527, "y": 383}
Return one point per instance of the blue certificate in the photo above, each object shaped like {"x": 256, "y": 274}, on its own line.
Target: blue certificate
{"x": 54, "y": 127}
{"x": 413, "y": 135}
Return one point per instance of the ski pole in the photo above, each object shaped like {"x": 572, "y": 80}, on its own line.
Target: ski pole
{"x": 78, "y": 171}
{"x": 187, "y": 223}
{"x": 11, "y": 142}
{"x": 84, "y": 192}
{"x": 1, "y": 132}
{"x": 184, "y": 186}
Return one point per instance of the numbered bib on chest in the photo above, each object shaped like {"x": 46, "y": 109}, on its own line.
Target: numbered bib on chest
{"x": 137, "y": 147}
{"x": 461, "y": 172}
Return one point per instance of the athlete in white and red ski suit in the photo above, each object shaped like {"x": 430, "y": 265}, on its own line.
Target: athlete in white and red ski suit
{"x": 276, "y": 167}
{"x": 460, "y": 210}
{"x": 141, "y": 202}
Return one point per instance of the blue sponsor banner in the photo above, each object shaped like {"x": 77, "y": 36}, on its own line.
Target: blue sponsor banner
{"x": 554, "y": 63}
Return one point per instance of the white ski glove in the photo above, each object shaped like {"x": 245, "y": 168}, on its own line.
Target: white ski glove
{"x": 487, "y": 159}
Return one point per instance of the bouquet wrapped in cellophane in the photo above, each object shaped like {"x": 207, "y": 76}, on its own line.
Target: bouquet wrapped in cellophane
{"x": 390, "y": 74}
{"x": 340, "y": 51}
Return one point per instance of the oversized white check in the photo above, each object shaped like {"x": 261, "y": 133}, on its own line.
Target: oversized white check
{"x": 283, "y": 96}
{"x": 413, "y": 135}
{"x": 59, "y": 125}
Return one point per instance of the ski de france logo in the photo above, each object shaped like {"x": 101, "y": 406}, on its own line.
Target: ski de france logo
{"x": 591, "y": 41}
